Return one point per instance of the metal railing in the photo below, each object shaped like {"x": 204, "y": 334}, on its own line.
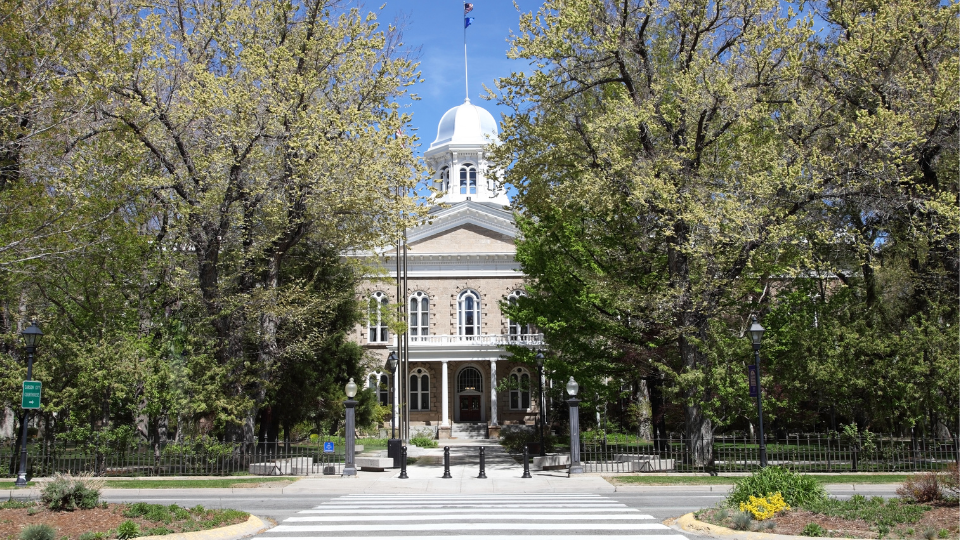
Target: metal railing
{"x": 494, "y": 340}
{"x": 192, "y": 458}
{"x": 799, "y": 452}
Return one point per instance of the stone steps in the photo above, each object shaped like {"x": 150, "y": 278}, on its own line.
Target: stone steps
{"x": 469, "y": 430}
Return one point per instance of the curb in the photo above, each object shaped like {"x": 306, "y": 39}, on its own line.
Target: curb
{"x": 690, "y": 524}
{"x": 253, "y": 525}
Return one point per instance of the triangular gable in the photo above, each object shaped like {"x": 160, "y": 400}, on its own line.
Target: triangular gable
{"x": 467, "y": 214}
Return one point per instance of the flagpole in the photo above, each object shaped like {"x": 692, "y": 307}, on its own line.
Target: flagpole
{"x": 466, "y": 76}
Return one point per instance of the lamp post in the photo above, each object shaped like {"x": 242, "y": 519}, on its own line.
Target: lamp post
{"x": 350, "y": 468}
{"x": 394, "y": 444}
{"x": 539, "y": 357}
{"x": 756, "y": 335}
{"x": 575, "y": 466}
{"x": 31, "y": 336}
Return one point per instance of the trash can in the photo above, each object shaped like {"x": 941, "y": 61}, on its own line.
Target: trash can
{"x": 394, "y": 449}
{"x": 533, "y": 448}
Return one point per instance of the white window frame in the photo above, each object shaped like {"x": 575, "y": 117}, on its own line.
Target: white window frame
{"x": 419, "y": 388}
{"x": 468, "y": 179}
{"x": 463, "y": 328}
{"x": 516, "y": 331}
{"x": 445, "y": 179}
{"x": 418, "y": 316}
{"x": 519, "y": 394}
{"x": 377, "y": 331}
{"x": 381, "y": 387}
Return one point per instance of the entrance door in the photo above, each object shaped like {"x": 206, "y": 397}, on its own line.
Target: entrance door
{"x": 469, "y": 408}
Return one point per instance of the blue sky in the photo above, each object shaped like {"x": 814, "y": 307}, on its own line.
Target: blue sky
{"x": 436, "y": 27}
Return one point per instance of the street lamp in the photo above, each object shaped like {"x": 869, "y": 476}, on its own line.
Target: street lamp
{"x": 756, "y": 335}
{"x": 539, "y": 357}
{"x": 350, "y": 468}
{"x": 31, "y": 336}
{"x": 575, "y": 466}
{"x": 394, "y": 445}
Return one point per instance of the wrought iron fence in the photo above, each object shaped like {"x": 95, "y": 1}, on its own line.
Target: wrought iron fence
{"x": 191, "y": 458}
{"x": 800, "y": 452}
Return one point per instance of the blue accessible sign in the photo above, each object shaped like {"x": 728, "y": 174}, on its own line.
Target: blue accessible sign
{"x": 328, "y": 448}
{"x": 752, "y": 379}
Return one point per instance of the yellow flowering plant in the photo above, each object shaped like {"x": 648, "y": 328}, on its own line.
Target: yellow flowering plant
{"x": 765, "y": 507}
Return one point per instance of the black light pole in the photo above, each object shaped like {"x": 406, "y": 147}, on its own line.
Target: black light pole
{"x": 350, "y": 468}
{"x": 756, "y": 334}
{"x": 575, "y": 466}
{"x": 394, "y": 444}
{"x": 539, "y": 357}
{"x": 31, "y": 336}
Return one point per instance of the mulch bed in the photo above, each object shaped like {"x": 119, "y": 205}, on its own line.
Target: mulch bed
{"x": 792, "y": 522}
{"x": 72, "y": 524}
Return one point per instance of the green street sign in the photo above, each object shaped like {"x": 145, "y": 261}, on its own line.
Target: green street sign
{"x": 31, "y": 395}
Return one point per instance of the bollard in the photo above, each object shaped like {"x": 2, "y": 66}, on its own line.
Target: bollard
{"x": 483, "y": 465}
{"x": 403, "y": 462}
{"x": 526, "y": 463}
{"x": 446, "y": 462}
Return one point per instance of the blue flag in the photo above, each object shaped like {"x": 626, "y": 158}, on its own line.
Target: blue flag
{"x": 467, "y": 21}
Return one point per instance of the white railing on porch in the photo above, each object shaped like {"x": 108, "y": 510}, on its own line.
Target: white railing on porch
{"x": 496, "y": 340}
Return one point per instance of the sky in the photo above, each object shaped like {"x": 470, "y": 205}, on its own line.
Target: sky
{"x": 436, "y": 28}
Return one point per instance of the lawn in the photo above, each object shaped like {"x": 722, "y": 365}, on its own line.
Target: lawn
{"x": 730, "y": 480}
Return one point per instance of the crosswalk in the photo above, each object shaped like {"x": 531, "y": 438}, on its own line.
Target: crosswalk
{"x": 472, "y": 517}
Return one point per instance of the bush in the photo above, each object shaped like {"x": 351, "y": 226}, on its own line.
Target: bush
{"x": 922, "y": 488}
{"x": 38, "y": 532}
{"x": 796, "y": 489}
{"x": 65, "y": 492}
{"x": 128, "y": 529}
{"x": 742, "y": 521}
{"x": 813, "y": 529}
{"x": 950, "y": 480}
{"x": 423, "y": 442}
{"x": 514, "y": 440}
{"x": 764, "y": 507}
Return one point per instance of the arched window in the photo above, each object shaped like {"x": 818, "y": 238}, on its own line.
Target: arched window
{"x": 376, "y": 318}
{"x": 469, "y": 380}
{"x": 515, "y": 329}
{"x": 419, "y": 314}
{"x": 468, "y": 180}
{"x": 445, "y": 179}
{"x": 419, "y": 390}
{"x": 520, "y": 389}
{"x": 381, "y": 387}
{"x": 468, "y": 313}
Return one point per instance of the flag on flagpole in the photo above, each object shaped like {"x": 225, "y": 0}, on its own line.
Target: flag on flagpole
{"x": 467, "y": 21}
{"x": 467, "y": 8}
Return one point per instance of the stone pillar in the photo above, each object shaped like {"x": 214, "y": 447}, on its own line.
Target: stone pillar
{"x": 493, "y": 393}
{"x": 444, "y": 397}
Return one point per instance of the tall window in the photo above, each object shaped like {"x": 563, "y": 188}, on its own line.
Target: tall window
{"x": 468, "y": 180}
{"x": 468, "y": 313}
{"x": 516, "y": 329}
{"x": 520, "y": 389}
{"x": 469, "y": 380}
{"x": 376, "y": 320}
{"x": 445, "y": 179}
{"x": 419, "y": 314}
{"x": 381, "y": 386}
{"x": 419, "y": 390}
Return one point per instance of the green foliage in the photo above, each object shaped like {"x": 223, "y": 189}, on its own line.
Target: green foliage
{"x": 423, "y": 442}
{"x": 66, "y": 492}
{"x": 797, "y": 489}
{"x": 515, "y": 440}
{"x": 38, "y": 532}
{"x": 92, "y": 536}
{"x": 813, "y": 529}
{"x": 872, "y": 510}
{"x": 158, "y": 531}
{"x": 128, "y": 529}
{"x": 16, "y": 503}
{"x": 742, "y": 521}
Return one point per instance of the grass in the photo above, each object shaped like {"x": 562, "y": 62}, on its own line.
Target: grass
{"x": 12, "y": 485}
{"x": 730, "y": 480}
{"x": 193, "y": 483}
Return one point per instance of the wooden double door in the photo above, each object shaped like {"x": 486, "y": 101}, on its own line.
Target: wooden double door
{"x": 470, "y": 408}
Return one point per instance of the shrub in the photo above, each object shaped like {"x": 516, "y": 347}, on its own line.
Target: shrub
{"x": 13, "y": 503}
{"x": 764, "y": 507}
{"x": 796, "y": 489}
{"x": 423, "y": 442}
{"x": 38, "y": 532}
{"x": 813, "y": 529}
{"x": 514, "y": 440}
{"x": 92, "y": 536}
{"x": 950, "y": 480}
{"x": 922, "y": 488}
{"x": 742, "y": 521}
{"x": 128, "y": 529}
{"x": 67, "y": 492}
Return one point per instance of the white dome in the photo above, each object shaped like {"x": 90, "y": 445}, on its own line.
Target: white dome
{"x": 466, "y": 124}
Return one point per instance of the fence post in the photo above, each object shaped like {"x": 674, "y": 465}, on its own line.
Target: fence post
{"x": 526, "y": 463}
{"x": 483, "y": 465}
{"x": 446, "y": 462}
{"x": 403, "y": 462}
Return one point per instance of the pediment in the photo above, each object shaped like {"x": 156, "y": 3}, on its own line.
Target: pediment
{"x": 483, "y": 219}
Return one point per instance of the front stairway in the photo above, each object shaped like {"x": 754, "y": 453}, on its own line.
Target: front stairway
{"x": 469, "y": 430}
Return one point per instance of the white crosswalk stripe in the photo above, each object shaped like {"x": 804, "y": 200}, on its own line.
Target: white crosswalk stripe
{"x": 472, "y": 517}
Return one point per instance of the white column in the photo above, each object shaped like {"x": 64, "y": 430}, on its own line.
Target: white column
{"x": 493, "y": 393}
{"x": 444, "y": 397}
